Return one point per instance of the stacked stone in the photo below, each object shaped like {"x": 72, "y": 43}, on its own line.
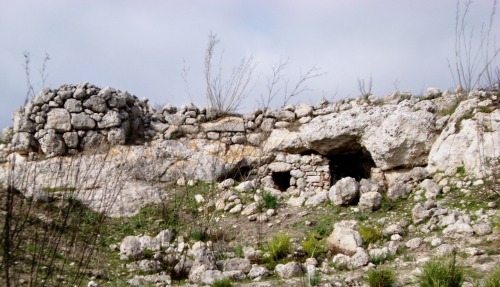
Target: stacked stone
{"x": 307, "y": 172}
{"x": 81, "y": 117}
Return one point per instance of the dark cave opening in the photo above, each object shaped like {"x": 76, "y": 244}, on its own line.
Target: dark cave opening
{"x": 352, "y": 160}
{"x": 282, "y": 180}
{"x": 239, "y": 174}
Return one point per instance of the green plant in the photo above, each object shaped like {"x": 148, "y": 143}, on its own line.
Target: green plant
{"x": 493, "y": 280}
{"x": 440, "y": 272}
{"x": 223, "y": 283}
{"x": 279, "y": 246}
{"x": 380, "y": 259}
{"x": 313, "y": 244}
{"x": 315, "y": 279}
{"x": 269, "y": 201}
{"x": 238, "y": 251}
{"x": 461, "y": 171}
{"x": 381, "y": 278}
{"x": 362, "y": 216}
{"x": 199, "y": 235}
{"x": 370, "y": 234}
{"x": 148, "y": 254}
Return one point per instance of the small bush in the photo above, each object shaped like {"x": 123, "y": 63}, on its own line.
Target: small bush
{"x": 313, "y": 245}
{"x": 441, "y": 272}
{"x": 314, "y": 280}
{"x": 493, "y": 280}
{"x": 370, "y": 234}
{"x": 199, "y": 235}
{"x": 223, "y": 283}
{"x": 377, "y": 260}
{"x": 381, "y": 278}
{"x": 269, "y": 200}
{"x": 279, "y": 246}
{"x": 238, "y": 251}
{"x": 148, "y": 254}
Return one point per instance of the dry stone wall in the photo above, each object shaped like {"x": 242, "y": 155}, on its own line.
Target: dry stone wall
{"x": 72, "y": 118}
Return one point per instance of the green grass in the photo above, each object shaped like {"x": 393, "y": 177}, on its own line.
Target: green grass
{"x": 279, "y": 246}
{"x": 238, "y": 251}
{"x": 381, "y": 278}
{"x": 314, "y": 245}
{"x": 381, "y": 259}
{"x": 441, "y": 272}
{"x": 222, "y": 283}
{"x": 58, "y": 189}
{"x": 493, "y": 279}
{"x": 461, "y": 171}
{"x": 370, "y": 234}
{"x": 269, "y": 201}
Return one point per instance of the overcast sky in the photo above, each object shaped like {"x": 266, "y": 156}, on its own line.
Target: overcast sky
{"x": 140, "y": 46}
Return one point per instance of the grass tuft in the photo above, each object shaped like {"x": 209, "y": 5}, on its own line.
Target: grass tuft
{"x": 441, "y": 272}
{"x": 223, "y": 283}
{"x": 493, "y": 280}
{"x": 381, "y": 278}
{"x": 279, "y": 246}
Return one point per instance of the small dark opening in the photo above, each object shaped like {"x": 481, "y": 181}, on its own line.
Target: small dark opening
{"x": 354, "y": 161}
{"x": 282, "y": 180}
{"x": 239, "y": 174}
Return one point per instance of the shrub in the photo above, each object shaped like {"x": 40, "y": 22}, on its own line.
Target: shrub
{"x": 238, "y": 251}
{"x": 441, "y": 272}
{"x": 493, "y": 280}
{"x": 223, "y": 283}
{"x": 269, "y": 200}
{"x": 199, "y": 235}
{"x": 377, "y": 260}
{"x": 313, "y": 244}
{"x": 279, "y": 246}
{"x": 370, "y": 234}
{"x": 314, "y": 280}
{"x": 381, "y": 278}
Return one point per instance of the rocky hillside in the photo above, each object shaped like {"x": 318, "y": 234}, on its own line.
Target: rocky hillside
{"x": 307, "y": 195}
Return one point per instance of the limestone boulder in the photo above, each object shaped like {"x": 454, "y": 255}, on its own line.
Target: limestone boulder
{"x": 345, "y": 238}
{"x": 370, "y": 201}
{"x": 96, "y": 104}
{"x": 82, "y": 121}
{"x": 23, "y": 143}
{"x": 345, "y": 191}
{"x": 237, "y": 264}
{"x": 58, "y": 120}
{"x": 288, "y": 270}
{"x": 52, "y": 144}
{"x": 131, "y": 247}
{"x": 227, "y": 124}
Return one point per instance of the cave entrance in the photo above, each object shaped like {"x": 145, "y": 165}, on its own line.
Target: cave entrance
{"x": 239, "y": 174}
{"x": 282, "y": 180}
{"x": 350, "y": 160}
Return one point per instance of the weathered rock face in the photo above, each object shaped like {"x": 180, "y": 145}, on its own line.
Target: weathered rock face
{"x": 471, "y": 139}
{"x": 122, "y": 180}
{"x": 394, "y": 135}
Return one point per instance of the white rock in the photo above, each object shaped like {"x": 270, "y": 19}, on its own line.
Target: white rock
{"x": 344, "y": 238}
{"x": 288, "y": 270}
{"x": 345, "y": 191}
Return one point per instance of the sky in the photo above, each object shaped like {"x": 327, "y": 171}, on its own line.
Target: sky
{"x": 156, "y": 49}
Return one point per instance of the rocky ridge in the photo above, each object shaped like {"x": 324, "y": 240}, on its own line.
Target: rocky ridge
{"x": 434, "y": 153}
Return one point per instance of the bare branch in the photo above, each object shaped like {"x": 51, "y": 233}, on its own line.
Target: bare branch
{"x": 300, "y": 86}
{"x": 364, "y": 89}
{"x": 226, "y": 96}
